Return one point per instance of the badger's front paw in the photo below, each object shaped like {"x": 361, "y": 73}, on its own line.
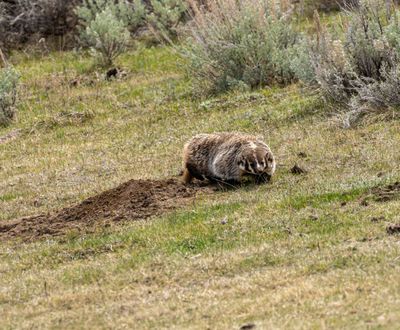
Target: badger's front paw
{"x": 263, "y": 178}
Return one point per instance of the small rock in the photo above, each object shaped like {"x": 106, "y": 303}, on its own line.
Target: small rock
{"x": 393, "y": 229}
{"x": 247, "y": 326}
{"x": 314, "y": 217}
{"x": 297, "y": 170}
{"x": 74, "y": 82}
{"x": 224, "y": 221}
{"x": 377, "y": 219}
{"x": 111, "y": 73}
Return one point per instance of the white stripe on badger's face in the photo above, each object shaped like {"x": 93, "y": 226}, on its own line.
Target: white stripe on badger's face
{"x": 271, "y": 165}
{"x": 259, "y": 167}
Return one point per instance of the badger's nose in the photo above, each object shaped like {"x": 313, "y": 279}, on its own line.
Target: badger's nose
{"x": 260, "y": 168}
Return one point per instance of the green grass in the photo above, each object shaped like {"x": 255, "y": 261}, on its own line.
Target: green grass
{"x": 302, "y": 201}
{"x": 302, "y": 252}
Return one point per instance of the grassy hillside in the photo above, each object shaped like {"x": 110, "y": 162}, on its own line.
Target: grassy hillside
{"x": 307, "y": 251}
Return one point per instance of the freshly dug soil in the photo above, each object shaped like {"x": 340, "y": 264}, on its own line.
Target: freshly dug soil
{"x": 297, "y": 170}
{"x": 133, "y": 200}
{"x": 387, "y": 193}
{"x": 383, "y": 194}
{"x": 393, "y": 229}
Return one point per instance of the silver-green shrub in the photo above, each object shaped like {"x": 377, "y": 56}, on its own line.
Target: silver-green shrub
{"x": 130, "y": 13}
{"x": 8, "y": 94}
{"x": 107, "y": 37}
{"x": 166, "y": 16}
{"x": 301, "y": 63}
{"x": 246, "y": 43}
{"x": 359, "y": 68}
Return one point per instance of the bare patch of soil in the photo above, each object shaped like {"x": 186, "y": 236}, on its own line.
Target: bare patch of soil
{"x": 383, "y": 194}
{"x": 133, "y": 200}
{"x": 393, "y": 229}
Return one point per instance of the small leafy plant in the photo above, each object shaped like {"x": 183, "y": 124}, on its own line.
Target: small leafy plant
{"x": 8, "y": 94}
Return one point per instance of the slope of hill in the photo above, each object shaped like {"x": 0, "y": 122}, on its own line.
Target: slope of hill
{"x": 307, "y": 250}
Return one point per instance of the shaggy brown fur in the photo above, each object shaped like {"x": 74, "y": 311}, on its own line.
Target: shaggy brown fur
{"x": 227, "y": 157}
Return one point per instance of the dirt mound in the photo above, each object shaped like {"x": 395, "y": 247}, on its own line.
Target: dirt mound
{"x": 387, "y": 193}
{"x": 133, "y": 200}
{"x": 383, "y": 194}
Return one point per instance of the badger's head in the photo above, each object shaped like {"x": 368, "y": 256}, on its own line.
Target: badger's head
{"x": 257, "y": 159}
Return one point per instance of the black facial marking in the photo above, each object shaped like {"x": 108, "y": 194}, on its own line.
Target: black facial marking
{"x": 247, "y": 168}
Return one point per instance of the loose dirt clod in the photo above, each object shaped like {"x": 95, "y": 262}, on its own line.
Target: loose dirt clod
{"x": 133, "y": 200}
{"x": 382, "y": 194}
{"x": 111, "y": 73}
{"x": 387, "y": 193}
{"x": 302, "y": 154}
{"x": 378, "y": 219}
{"x": 393, "y": 229}
{"x": 297, "y": 170}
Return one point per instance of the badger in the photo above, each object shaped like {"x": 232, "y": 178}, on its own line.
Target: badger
{"x": 227, "y": 157}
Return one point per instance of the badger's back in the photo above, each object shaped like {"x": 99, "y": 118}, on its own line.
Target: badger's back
{"x": 214, "y": 156}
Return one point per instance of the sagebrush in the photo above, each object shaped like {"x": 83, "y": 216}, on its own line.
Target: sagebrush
{"x": 240, "y": 44}
{"x": 166, "y": 16}
{"x": 107, "y": 37}
{"x": 359, "y": 71}
{"x": 130, "y": 13}
{"x": 9, "y": 78}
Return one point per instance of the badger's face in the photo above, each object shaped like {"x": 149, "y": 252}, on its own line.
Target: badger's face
{"x": 258, "y": 160}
